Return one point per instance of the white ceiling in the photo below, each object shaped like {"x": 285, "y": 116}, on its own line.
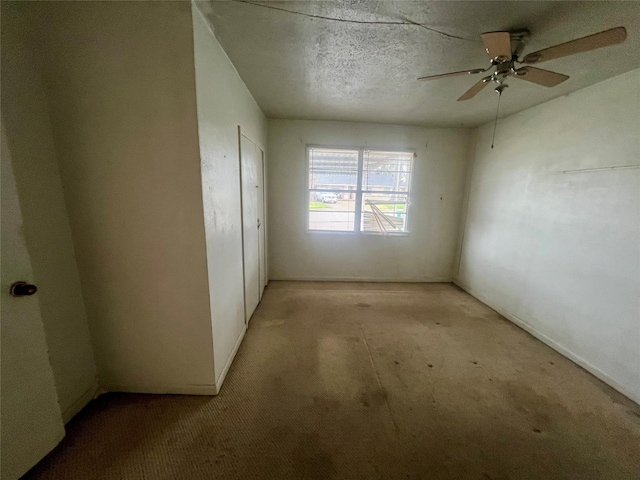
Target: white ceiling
{"x": 304, "y": 67}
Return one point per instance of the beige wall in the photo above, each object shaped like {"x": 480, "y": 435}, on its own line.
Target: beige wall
{"x": 45, "y": 224}
{"x": 426, "y": 254}
{"x": 223, "y": 103}
{"x": 553, "y": 226}
{"x": 121, "y": 87}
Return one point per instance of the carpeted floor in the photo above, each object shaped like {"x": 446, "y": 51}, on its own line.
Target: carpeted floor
{"x": 388, "y": 381}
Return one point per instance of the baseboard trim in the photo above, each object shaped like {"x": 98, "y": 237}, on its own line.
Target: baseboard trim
{"x": 164, "y": 389}
{"x": 363, "y": 279}
{"x": 81, "y": 402}
{"x": 589, "y": 367}
{"x": 227, "y": 365}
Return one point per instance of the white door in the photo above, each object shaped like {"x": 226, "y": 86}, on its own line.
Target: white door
{"x": 31, "y": 419}
{"x": 262, "y": 229}
{"x": 250, "y": 225}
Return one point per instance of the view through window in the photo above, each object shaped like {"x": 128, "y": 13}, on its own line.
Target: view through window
{"x": 359, "y": 190}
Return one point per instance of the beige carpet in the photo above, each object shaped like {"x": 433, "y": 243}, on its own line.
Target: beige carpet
{"x": 389, "y": 381}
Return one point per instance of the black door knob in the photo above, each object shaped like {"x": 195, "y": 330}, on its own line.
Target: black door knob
{"x": 21, "y": 289}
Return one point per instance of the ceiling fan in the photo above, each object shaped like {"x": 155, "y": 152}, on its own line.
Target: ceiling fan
{"x": 505, "y": 48}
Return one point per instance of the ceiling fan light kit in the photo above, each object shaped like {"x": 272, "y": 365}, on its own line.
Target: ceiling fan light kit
{"x": 504, "y": 50}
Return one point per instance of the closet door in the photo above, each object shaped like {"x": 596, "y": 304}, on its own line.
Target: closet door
{"x": 262, "y": 230}
{"x": 251, "y": 223}
{"x": 31, "y": 418}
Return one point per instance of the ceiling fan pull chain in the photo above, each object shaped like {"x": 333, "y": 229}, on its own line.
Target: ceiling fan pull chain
{"x": 495, "y": 123}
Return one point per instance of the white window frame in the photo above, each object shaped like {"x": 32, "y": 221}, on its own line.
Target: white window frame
{"x": 357, "y": 226}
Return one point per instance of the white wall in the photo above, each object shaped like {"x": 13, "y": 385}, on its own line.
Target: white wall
{"x": 46, "y": 226}
{"x": 223, "y": 103}
{"x": 552, "y": 236}
{"x": 426, "y": 254}
{"x": 121, "y": 87}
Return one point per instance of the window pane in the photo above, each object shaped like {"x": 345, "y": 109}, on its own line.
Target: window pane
{"x": 384, "y": 212}
{"x": 386, "y": 171}
{"x": 332, "y": 211}
{"x": 333, "y": 169}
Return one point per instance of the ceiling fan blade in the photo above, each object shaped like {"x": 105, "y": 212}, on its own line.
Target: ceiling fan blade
{"x": 473, "y": 91}
{"x": 542, "y": 77}
{"x": 498, "y": 45}
{"x": 584, "y": 44}
{"x": 453, "y": 74}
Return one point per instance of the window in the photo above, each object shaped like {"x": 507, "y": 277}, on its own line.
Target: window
{"x": 358, "y": 190}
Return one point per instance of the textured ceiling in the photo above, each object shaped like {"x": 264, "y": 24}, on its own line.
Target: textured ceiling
{"x": 361, "y": 62}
